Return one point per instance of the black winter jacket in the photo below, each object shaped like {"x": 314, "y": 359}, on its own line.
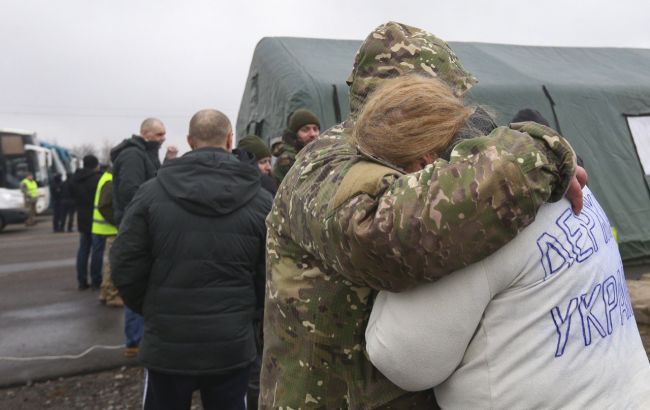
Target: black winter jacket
{"x": 56, "y": 190}
{"x": 266, "y": 181}
{"x": 135, "y": 161}
{"x": 190, "y": 257}
{"x": 66, "y": 193}
{"x": 82, "y": 188}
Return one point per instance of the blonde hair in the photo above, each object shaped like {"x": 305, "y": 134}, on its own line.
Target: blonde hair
{"x": 408, "y": 117}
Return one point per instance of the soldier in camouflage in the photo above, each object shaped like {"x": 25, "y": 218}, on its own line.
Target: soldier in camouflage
{"x": 303, "y": 127}
{"x": 345, "y": 225}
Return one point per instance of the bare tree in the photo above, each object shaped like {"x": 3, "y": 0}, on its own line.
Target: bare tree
{"x": 105, "y": 152}
{"x": 83, "y": 150}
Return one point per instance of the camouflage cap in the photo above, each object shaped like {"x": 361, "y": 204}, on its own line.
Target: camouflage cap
{"x": 394, "y": 49}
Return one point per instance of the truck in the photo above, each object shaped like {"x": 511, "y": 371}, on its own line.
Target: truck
{"x": 64, "y": 162}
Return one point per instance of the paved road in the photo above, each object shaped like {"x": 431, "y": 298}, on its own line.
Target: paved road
{"x": 43, "y": 314}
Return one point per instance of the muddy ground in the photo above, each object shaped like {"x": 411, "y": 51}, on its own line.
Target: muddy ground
{"x": 119, "y": 389}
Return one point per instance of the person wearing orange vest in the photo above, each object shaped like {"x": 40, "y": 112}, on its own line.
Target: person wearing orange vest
{"x": 104, "y": 227}
{"x": 29, "y": 187}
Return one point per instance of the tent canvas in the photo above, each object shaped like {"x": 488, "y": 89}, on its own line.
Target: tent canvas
{"x": 589, "y": 94}
{"x": 290, "y": 73}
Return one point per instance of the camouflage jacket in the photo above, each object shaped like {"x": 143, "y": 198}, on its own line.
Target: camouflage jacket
{"x": 285, "y": 157}
{"x": 344, "y": 225}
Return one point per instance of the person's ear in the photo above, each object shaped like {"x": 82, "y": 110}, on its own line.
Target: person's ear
{"x": 229, "y": 142}
{"x": 190, "y": 141}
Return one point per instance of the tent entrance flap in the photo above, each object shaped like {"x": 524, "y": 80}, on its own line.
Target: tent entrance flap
{"x": 255, "y": 127}
{"x": 639, "y": 126}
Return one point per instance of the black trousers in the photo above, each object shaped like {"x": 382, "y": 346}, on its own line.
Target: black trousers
{"x": 253, "y": 393}
{"x": 174, "y": 391}
{"x": 67, "y": 213}
{"x": 58, "y": 217}
{"x": 252, "y": 396}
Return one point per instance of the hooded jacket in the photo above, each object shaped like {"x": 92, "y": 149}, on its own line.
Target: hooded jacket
{"x": 135, "y": 161}
{"x": 82, "y": 189}
{"x": 266, "y": 181}
{"x": 344, "y": 225}
{"x": 189, "y": 257}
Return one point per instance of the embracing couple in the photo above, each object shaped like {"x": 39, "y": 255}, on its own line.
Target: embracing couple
{"x": 417, "y": 248}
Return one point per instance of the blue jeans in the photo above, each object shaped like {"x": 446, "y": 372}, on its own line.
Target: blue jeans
{"x": 133, "y": 327}
{"x": 90, "y": 246}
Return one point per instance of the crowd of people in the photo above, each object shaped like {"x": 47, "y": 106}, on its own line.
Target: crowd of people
{"x": 416, "y": 255}
{"x": 213, "y": 187}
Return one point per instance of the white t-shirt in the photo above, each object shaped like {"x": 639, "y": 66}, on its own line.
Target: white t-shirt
{"x": 545, "y": 322}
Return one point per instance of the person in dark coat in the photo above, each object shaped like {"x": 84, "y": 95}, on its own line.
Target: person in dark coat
{"x": 190, "y": 257}
{"x": 303, "y": 127}
{"x": 68, "y": 205}
{"x": 262, "y": 153}
{"x": 135, "y": 161}
{"x": 56, "y": 191}
{"x": 82, "y": 189}
{"x": 255, "y": 147}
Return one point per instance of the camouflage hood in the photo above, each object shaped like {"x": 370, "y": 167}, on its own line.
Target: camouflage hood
{"x": 394, "y": 49}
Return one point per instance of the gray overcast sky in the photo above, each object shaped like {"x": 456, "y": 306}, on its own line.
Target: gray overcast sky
{"x": 89, "y": 71}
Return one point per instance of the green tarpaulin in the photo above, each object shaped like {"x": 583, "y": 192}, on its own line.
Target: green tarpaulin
{"x": 584, "y": 92}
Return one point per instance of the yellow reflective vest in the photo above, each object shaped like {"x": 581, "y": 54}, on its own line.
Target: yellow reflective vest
{"x": 31, "y": 187}
{"x": 100, "y": 225}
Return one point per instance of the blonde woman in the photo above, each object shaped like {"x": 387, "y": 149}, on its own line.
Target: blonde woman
{"x": 544, "y": 322}
{"x": 424, "y": 112}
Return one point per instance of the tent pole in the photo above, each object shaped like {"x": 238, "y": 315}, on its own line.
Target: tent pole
{"x": 550, "y": 99}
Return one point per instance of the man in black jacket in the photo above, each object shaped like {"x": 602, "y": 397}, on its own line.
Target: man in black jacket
{"x": 82, "y": 189}
{"x": 257, "y": 147}
{"x": 56, "y": 190}
{"x": 190, "y": 256}
{"x": 135, "y": 161}
{"x": 68, "y": 204}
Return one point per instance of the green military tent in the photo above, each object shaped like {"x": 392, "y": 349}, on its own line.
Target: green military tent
{"x": 599, "y": 98}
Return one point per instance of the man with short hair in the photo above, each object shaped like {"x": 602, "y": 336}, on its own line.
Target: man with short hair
{"x": 135, "y": 161}
{"x": 303, "y": 128}
{"x": 190, "y": 257}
